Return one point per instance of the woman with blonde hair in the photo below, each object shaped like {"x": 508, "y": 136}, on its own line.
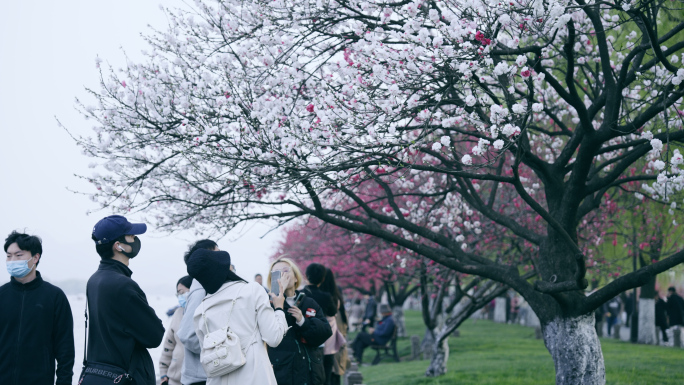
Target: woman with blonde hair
{"x": 298, "y": 359}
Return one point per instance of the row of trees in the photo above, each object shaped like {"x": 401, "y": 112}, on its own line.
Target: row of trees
{"x": 417, "y": 122}
{"x": 368, "y": 265}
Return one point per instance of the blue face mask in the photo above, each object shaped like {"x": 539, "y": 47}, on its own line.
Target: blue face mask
{"x": 183, "y": 300}
{"x": 19, "y": 269}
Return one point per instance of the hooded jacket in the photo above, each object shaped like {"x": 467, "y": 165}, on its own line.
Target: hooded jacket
{"x": 36, "y": 328}
{"x": 122, "y": 325}
{"x": 298, "y": 360}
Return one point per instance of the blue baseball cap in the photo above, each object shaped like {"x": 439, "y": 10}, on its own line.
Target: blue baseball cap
{"x": 113, "y": 227}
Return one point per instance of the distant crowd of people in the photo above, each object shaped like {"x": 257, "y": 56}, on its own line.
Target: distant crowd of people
{"x": 669, "y": 312}
{"x": 225, "y": 330}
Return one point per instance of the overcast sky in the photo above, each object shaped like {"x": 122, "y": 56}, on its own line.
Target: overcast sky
{"x": 47, "y": 58}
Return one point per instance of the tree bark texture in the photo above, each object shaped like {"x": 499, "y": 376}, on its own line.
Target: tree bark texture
{"x": 440, "y": 356}
{"x": 647, "y": 327}
{"x": 576, "y": 350}
{"x": 500, "y": 310}
{"x": 428, "y": 343}
{"x": 399, "y": 320}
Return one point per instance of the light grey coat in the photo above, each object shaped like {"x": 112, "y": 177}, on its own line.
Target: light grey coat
{"x": 192, "y": 370}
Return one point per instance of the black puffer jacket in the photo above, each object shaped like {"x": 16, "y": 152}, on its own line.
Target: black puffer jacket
{"x": 298, "y": 360}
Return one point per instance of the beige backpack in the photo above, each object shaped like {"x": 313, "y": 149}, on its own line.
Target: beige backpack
{"x": 221, "y": 350}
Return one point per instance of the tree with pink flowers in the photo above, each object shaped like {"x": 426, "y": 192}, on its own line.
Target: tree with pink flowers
{"x": 360, "y": 262}
{"x": 408, "y": 121}
{"x": 372, "y": 266}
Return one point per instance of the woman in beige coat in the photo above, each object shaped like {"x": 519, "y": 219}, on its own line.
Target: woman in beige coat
{"x": 252, "y": 319}
{"x": 171, "y": 359}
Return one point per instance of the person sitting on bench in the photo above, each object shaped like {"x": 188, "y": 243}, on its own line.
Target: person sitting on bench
{"x": 378, "y": 336}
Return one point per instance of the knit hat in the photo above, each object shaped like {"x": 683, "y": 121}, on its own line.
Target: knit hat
{"x": 384, "y": 308}
{"x": 209, "y": 268}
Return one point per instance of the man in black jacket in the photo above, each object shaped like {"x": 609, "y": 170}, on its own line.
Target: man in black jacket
{"x": 36, "y": 326}
{"x": 122, "y": 324}
{"x": 661, "y": 315}
{"x": 675, "y": 307}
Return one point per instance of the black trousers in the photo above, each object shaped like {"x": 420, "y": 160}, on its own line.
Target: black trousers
{"x": 361, "y": 342}
{"x": 328, "y": 361}
{"x": 664, "y": 331}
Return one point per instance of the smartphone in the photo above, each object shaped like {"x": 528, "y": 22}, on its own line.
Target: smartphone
{"x": 299, "y": 299}
{"x": 275, "y": 287}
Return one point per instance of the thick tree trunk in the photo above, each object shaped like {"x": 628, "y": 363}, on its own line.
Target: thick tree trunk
{"x": 647, "y": 327}
{"x": 576, "y": 350}
{"x": 440, "y": 356}
{"x": 500, "y": 310}
{"x": 427, "y": 346}
{"x": 399, "y": 320}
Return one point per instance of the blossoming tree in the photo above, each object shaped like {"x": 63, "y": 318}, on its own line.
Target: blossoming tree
{"x": 247, "y": 110}
{"x": 360, "y": 262}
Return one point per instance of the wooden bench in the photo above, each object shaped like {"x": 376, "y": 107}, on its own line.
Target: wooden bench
{"x": 387, "y": 350}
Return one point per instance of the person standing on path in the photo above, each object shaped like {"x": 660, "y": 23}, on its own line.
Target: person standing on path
{"x": 192, "y": 372}
{"x": 242, "y": 307}
{"x": 316, "y": 275}
{"x": 661, "y": 315}
{"x": 171, "y": 360}
{"x": 675, "y": 307}
{"x": 298, "y": 359}
{"x": 122, "y": 325}
{"x": 36, "y": 326}
{"x": 371, "y": 311}
{"x": 336, "y": 344}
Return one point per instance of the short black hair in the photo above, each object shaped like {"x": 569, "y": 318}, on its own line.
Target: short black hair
{"x": 206, "y": 244}
{"x": 185, "y": 281}
{"x": 315, "y": 273}
{"x": 106, "y": 250}
{"x": 671, "y": 288}
{"x": 30, "y": 243}
{"x": 258, "y": 275}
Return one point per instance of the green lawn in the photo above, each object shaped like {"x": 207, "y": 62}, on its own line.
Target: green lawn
{"x": 493, "y": 354}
